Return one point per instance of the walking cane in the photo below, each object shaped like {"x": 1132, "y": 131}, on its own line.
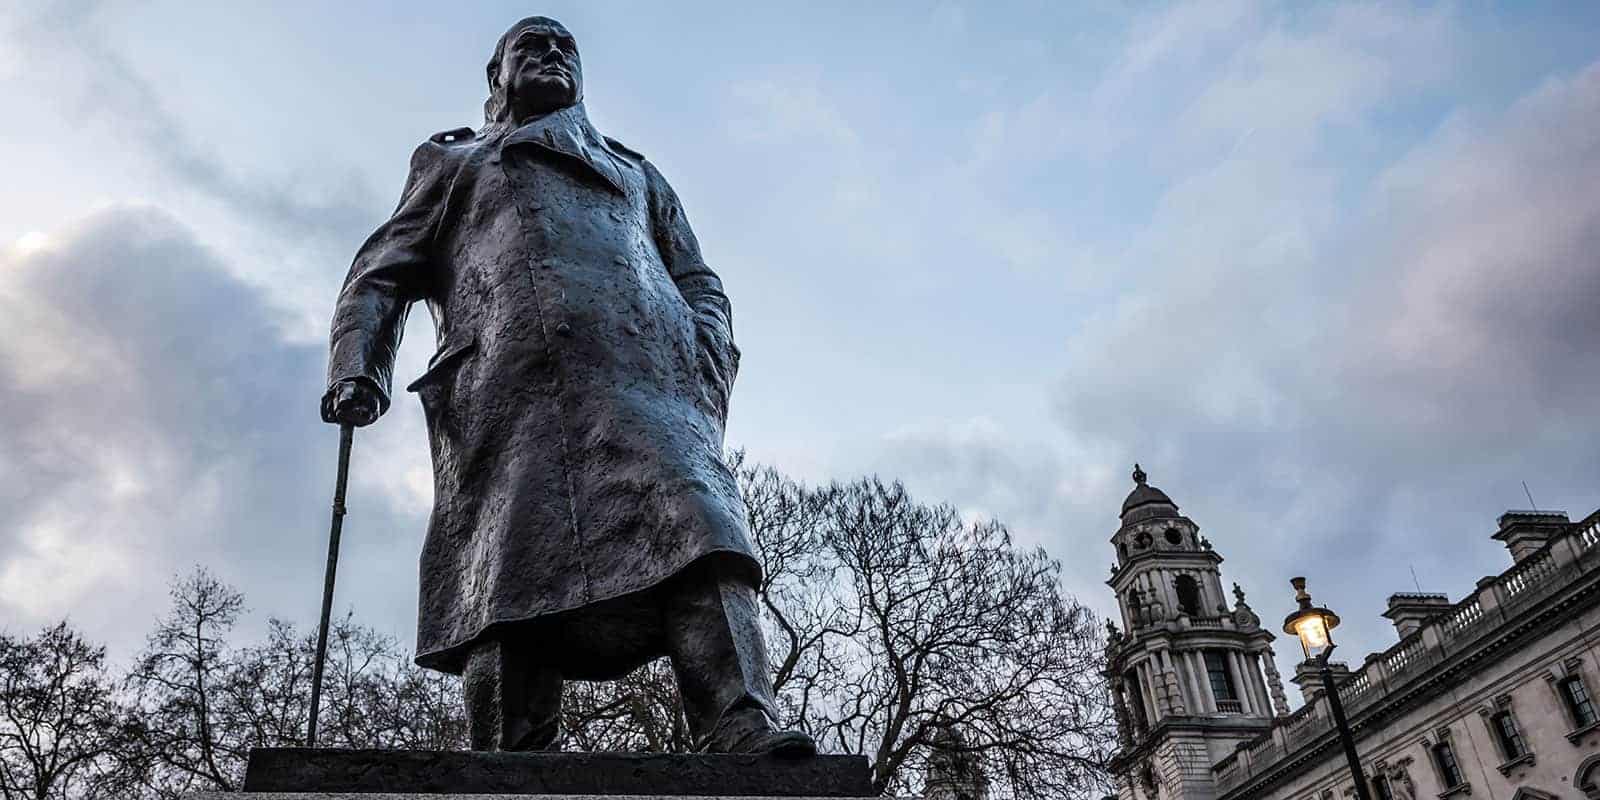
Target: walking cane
{"x": 346, "y": 434}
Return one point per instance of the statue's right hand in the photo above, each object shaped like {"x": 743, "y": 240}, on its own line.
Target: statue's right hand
{"x": 351, "y": 402}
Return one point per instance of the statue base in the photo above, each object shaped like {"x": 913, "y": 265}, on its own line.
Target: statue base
{"x": 415, "y": 796}
{"x": 285, "y": 773}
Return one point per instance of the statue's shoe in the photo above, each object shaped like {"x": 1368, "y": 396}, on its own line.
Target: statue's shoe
{"x": 546, "y": 738}
{"x": 751, "y": 731}
{"x": 784, "y": 744}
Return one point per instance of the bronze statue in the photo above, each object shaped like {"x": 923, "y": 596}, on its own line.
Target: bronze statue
{"x": 584, "y": 521}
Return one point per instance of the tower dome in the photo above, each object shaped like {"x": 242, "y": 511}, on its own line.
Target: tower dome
{"x": 1149, "y": 500}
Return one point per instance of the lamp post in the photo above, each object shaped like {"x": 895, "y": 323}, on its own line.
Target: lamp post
{"x": 1314, "y": 625}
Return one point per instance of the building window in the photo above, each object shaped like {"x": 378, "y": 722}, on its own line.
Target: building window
{"x": 1380, "y": 788}
{"x": 1222, "y": 688}
{"x": 1188, "y": 594}
{"x": 1444, "y": 757}
{"x": 1588, "y": 780}
{"x": 1136, "y": 700}
{"x": 1576, "y": 696}
{"x": 1507, "y": 734}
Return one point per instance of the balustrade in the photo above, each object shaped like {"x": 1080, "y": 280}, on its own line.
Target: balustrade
{"x": 1462, "y": 618}
{"x": 1527, "y": 575}
{"x": 1589, "y": 532}
{"x": 1538, "y": 576}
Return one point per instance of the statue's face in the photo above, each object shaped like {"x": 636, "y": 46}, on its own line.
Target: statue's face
{"x": 540, "y": 69}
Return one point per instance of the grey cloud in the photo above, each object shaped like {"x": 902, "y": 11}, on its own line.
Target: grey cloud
{"x": 310, "y": 216}
{"x": 155, "y": 419}
{"x": 1046, "y": 492}
{"x": 1375, "y": 398}
{"x": 1344, "y": 394}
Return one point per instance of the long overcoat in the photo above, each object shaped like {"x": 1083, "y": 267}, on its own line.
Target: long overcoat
{"x": 576, "y": 403}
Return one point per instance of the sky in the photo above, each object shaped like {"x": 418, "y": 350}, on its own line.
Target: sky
{"x": 1329, "y": 272}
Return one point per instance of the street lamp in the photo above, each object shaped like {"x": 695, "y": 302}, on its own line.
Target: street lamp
{"x": 1313, "y": 626}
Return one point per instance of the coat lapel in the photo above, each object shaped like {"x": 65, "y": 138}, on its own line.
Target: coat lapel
{"x": 569, "y": 133}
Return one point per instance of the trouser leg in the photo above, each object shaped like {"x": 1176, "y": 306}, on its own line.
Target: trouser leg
{"x": 718, "y": 653}
{"x": 512, "y": 704}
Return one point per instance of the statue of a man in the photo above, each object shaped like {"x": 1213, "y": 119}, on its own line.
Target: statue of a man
{"x": 584, "y": 521}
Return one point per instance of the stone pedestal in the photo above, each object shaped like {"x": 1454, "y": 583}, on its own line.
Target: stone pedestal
{"x": 415, "y": 796}
{"x": 330, "y": 774}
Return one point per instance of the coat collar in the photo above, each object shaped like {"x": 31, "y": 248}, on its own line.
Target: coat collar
{"x": 568, "y": 132}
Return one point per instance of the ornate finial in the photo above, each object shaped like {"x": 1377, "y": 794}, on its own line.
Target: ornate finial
{"x": 1138, "y": 475}
{"x": 1243, "y": 615}
{"x": 1301, "y": 596}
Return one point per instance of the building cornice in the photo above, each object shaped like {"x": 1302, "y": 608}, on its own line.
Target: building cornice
{"x": 1182, "y": 559}
{"x": 1175, "y": 727}
{"x": 1172, "y": 636}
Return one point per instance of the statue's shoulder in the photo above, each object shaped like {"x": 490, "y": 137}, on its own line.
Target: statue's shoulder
{"x": 442, "y": 149}
{"x": 454, "y": 136}
{"x": 624, "y": 149}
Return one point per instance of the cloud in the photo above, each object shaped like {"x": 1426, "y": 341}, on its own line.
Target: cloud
{"x": 307, "y": 220}
{"x": 1236, "y": 234}
{"x": 1368, "y": 384}
{"x": 1495, "y": 229}
{"x": 155, "y": 418}
{"x": 1339, "y": 371}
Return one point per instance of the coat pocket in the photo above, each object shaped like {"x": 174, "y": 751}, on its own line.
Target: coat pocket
{"x": 716, "y": 367}
{"x": 437, "y": 383}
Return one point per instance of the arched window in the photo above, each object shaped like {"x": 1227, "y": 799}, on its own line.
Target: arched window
{"x": 1528, "y": 793}
{"x": 1188, "y": 594}
{"x": 1588, "y": 780}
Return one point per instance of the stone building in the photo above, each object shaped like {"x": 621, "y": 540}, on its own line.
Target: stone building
{"x": 954, "y": 771}
{"x": 1491, "y": 696}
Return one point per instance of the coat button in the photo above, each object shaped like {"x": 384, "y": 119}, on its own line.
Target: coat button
{"x": 621, "y": 261}
{"x": 547, "y": 264}
{"x": 632, "y": 329}
{"x": 564, "y": 329}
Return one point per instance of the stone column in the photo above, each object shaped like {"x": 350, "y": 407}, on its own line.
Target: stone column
{"x": 1202, "y": 686}
{"x": 1247, "y": 700}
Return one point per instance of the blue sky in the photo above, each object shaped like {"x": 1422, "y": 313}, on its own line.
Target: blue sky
{"x": 1328, "y": 271}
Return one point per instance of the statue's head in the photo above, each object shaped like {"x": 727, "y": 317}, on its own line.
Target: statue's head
{"x": 535, "y": 70}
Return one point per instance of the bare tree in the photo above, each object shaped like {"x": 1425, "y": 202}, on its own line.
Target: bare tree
{"x": 891, "y": 624}
{"x": 641, "y": 712}
{"x": 208, "y": 703}
{"x": 375, "y": 697}
{"x": 894, "y": 618}
{"x": 265, "y": 690}
{"x": 178, "y": 681}
{"x": 799, "y": 583}
{"x": 62, "y": 732}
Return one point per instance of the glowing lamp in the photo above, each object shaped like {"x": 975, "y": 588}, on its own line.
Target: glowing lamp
{"x": 1313, "y": 625}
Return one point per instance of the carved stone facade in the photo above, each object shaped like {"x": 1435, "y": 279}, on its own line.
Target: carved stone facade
{"x": 954, "y": 771}
{"x": 1193, "y": 676}
{"x": 1494, "y": 696}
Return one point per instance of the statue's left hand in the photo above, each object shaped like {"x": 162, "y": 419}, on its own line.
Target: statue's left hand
{"x": 351, "y": 402}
